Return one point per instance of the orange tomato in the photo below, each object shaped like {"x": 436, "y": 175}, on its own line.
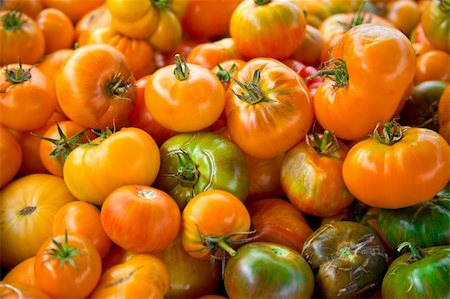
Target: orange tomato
{"x": 168, "y": 32}
{"x": 23, "y": 273}
{"x": 29, "y": 7}
{"x": 57, "y": 28}
{"x": 213, "y": 53}
{"x": 82, "y": 218}
{"x": 74, "y": 9}
{"x": 95, "y": 87}
{"x": 94, "y": 19}
{"x": 444, "y": 114}
{"x": 432, "y": 65}
{"x": 17, "y": 290}
{"x": 227, "y": 69}
{"x": 310, "y": 50}
{"x": 404, "y": 15}
{"x": 10, "y": 156}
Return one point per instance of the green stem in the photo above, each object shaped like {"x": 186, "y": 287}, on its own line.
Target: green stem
{"x": 225, "y": 75}
{"x": 252, "y": 92}
{"x": 162, "y": 4}
{"x": 187, "y": 173}
{"x": 13, "y": 20}
{"x": 391, "y": 133}
{"x": 181, "y": 71}
{"x": 412, "y": 248}
{"x": 334, "y": 69}
{"x": 17, "y": 75}
{"x": 325, "y": 145}
{"x": 359, "y": 18}
{"x": 63, "y": 252}
{"x": 222, "y": 243}
{"x": 262, "y": 2}
{"x": 444, "y": 6}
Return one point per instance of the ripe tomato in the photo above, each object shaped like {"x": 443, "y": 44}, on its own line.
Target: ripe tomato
{"x": 226, "y": 70}
{"x": 26, "y": 99}
{"x": 315, "y": 11}
{"x": 154, "y": 212}
{"x": 57, "y": 28}
{"x": 17, "y": 290}
{"x": 82, "y": 218}
{"x": 10, "y": 156}
{"x": 23, "y": 273}
{"x": 29, "y": 7}
{"x": 96, "y": 18}
{"x": 74, "y": 9}
{"x": 443, "y": 115}
{"x": 184, "y": 97}
{"x": 141, "y": 276}
{"x": 101, "y": 95}
{"x": 399, "y": 168}
{"x": 212, "y": 221}
{"x": 268, "y": 108}
{"x": 67, "y": 265}
{"x": 309, "y": 50}
{"x": 259, "y": 28}
{"x": 436, "y": 24}
{"x": 27, "y": 207}
{"x": 403, "y": 14}
{"x": 21, "y": 37}
{"x": 432, "y": 65}
{"x": 168, "y": 32}
{"x": 211, "y": 54}
{"x": 94, "y": 170}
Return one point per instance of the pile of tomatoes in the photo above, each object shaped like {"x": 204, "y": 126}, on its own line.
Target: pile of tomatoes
{"x": 224, "y": 148}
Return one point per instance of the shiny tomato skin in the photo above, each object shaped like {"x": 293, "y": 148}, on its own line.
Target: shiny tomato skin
{"x": 23, "y": 273}
{"x": 443, "y": 115}
{"x": 10, "y": 156}
{"x": 211, "y": 54}
{"x": 17, "y": 290}
{"x": 57, "y": 28}
{"x": 436, "y": 24}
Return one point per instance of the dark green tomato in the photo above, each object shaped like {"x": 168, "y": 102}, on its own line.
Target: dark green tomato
{"x": 196, "y": 162}
{"x": 268, "y": 270}
{"x": 425, "y": 224}
{"x": 421, "y": 107}
{"x": 411, "y": 276}
{"x": 349, "y": 260}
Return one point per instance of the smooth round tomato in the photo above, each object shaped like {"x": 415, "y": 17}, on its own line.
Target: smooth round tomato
{"x": 140, "y": 218}
{"x": 57, "y": 28}
{"x": 398, "y": 168}
{"x": 27, "y": 208}
{"x": 403, "y": 14}
{"x": 82, "y": 218}
{"x": 436, "y": 24}
{"x": 184, "y": 97}
{"x": 310, "y": 49}
{"x": 129, "y": 156}
{"x": 267, "y": 28}
{"x": 26, "y": 98}
{"x": 67, "y": 265}
{"x": 432, "y": 65}
{"x": 96, "y": 18}
{"x": 95, "y": 87}
{"x": 29, "y": 7}
{"x": 268, "y": 270}
{"x": 74, "y": 9}
{"x": 316, "y": 11}
{"x": 23, "y": 273}
{"x": 20, "y": 36}
{"x": 211, "y": 54}
{"x": 10, "y": 156}
{"x": 17, "y": 290}
{"x": 168, "y": 32}
{"x": 443, "y": 115}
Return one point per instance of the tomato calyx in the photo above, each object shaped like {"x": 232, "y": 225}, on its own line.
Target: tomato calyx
{"x": 415, "y": 253}
{"x": 360, "y": 17}
{"x": 27, "y": 210}
{"x": 262, "y": 2}
{"x": 187, "y": 173}
{"x": 181, "y": 71}
{"x": 224, "y": 75}
{"x": 13, "y": 20}
{"x": 334, "y": 69}
{"x": 17, "y": 75}
{"x": 392, "y": 132}
{"x": 63, "y": 253}
{"x": 444, "y": 6}
{"x": 325, "y": 145}
{"x": 118, "y": 86}
{"x": 253, "y": 94}
{"x": 161, "y": 4}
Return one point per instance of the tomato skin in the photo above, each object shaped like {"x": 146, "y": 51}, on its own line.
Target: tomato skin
{"x": 310, "y": 49}
{"x": 227, "y": 65}
{"x": 96, "y": 18}
{"x": 403, "y": 174}
{"x": 59, "y": 278}
{"x": 57, "y": 28}
{"x": 74, "y": 9}
{"x": 29, "y": 7}
{"x": 436, "y": 25}
{"x": 443, "y": 115}
{"x": 98, "y": 96}
{"x": 168, "y": 33}
{"x": 23, "y": 273}
{"x": 268, "y": 270}
{"x": 154, "y": 209}
{"x": 267, "y": 127}
{"x": 27, "y": 207}
{"x": 432, "y": 65}
{"x": 259, "y": 30}
{"x": 211, "y": 54}
{"x": 404, "y": 15}
{"x": 10, "y": 156}
{"x": 92, "y": 171}
{"x": 17, "y": 290}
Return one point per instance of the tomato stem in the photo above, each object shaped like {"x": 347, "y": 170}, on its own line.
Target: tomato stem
{"x": 444, "y": 6}
{"x": 118, "y": 86}
{"x": 222, "y": 243}
{"x": 334, "y": 69}
{"x": 187, "y": 173}
{"x": 262, "y": 2}
{"x": 162, "y": 4}
{"x": 360, "y": 16}
{"x": 252, "y": 93}
{"x": 64, "y": 253}
{"x": 13, "y": 20}
{"x": 225, "y": 75}
{"x": 391, "y": 133}
{"x": 325, "y": 145}
{"x": 412, "y": 248}
{"x": 17, "y": 75}
{"x": 181, "y": 70}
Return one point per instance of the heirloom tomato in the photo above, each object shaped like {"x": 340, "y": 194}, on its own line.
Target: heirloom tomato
{"x": 26, "y": 97}
{"x": 96, "y": 18}
{"x": 309, "y": 50}
{"x": 95, "y": 87}
{"x": 436, "y": 24}
{"x": 227, "y": 69}
{"x": 357, "y": 92}
{"x": 23, "y": 273}
{"x": 443, "y": 115}
{"x": 268, "y": 108}
{"x": 140, "y": 218}
{"x": 212, "y": 221}
{"x": 184, "y": 97}
{"x": 141, "y": 276}
{"x": 278, "y": 221}
{"x": 29, "y": 7}
{"x": 311, "y": 175}
{"x": 67, "y": 266}
{"x": 316, "y": 11}
{"x": 432, "y": 65}
{"x": 195, "y": 162}
{"x": 58, "y": 30}
{"x": 94, "y": 170}
{"x": 74, "y": 9}
{"x": 420, "y": 273}
{"x": 211, "y": 54}
{"x": 398, "y": 168}
{"x": 168, "y": 32}
{"x": 27, "y": 208}
{"x": 10, "y": 156}
{"x": 17, "y": 290}
{"x": 403, "y": 14}
{"x": 21, "y": 37}
{"x": 267, "y": 28}
{"x": 115, "y": 256}
{"x": 268, "y": 270}
{"x": 347, "y": 258}
{"x": 82, "y": 218}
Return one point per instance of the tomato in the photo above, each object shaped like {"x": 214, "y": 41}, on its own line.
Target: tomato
{"x": 443, "y": 115}
{"x": 421, "y": 273}
{"x": 316, "y": 11}
{"x": 96, "y": 18}
{"x": 27, "y": 207}
{"x": 19, "y": 290}
{"x": 213, "y": 221}
{"x": 189, "y": 277}
{"x": 94, "y": 170}
{"x": 343, "y": 6}
{"x": 278, "y": 221}
{"x": 348, "y": 101}
{"x": 29, "y": 7}
{"x": 195, "y": 162}
{"x": 420, "y": 42}
{"x": 23, "y": 273}
{"x": 74, "y": 9}
{"x": 310, "y": 49}
{"x": 141, "y": 118}
{"x": 432, "y": 65}
{"x": 399, "y": 168}
{"x": 142, "y": 276}
{"x": 184, "y": 97}
{"x": 436, "y": 24}
{"x": 115, "y": 256}
{"x": 67, "y": 265}
{"x": 57, "y": 28}
{"x": 82, "y": 218}
{"x": 403, "y": 14}
{"x": 10, "y": 156}
{"x": 227, "y": 69}
{"x": 211, "y": 54}
{"x": 154, "y": 210}
{"x": 347, "y": 258}
{"x": 260, "y": 27}
{"x": 208, "y": 19}
{"x": 268, "y": 270}
{"x": 268, "y": 109}
{"x": 168, "y": 32}
{"x": 20, "y": 36}
{"x": 101, "y": 95}
{"x": 26, "y": 99}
